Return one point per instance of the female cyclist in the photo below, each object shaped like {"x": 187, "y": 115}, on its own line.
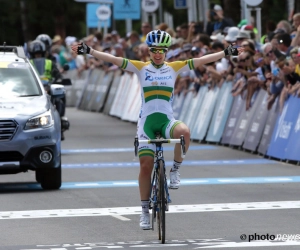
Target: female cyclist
{"x": 157, "y": 79}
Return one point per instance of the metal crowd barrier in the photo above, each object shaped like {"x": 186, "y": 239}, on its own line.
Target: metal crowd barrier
{"x": 213, "y": 116}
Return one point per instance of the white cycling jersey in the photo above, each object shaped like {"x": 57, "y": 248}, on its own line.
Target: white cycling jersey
{"x": 157, "y": 84}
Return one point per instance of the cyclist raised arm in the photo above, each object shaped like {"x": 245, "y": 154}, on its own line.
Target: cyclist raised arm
{"x": 157, "y": 79}
{"x": 84, "y": 49}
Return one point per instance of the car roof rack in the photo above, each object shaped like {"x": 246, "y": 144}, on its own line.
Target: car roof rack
{"x": 19, "y": 50}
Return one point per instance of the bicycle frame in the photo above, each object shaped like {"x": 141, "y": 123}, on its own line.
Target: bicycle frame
{"x": 159, "y": 197}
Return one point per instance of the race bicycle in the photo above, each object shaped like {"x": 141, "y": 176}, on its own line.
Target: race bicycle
{"x": 159, "y": 197}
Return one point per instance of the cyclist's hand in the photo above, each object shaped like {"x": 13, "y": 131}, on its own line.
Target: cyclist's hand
{"x": 232, "y": 50}
{"x": 81, "y": 48}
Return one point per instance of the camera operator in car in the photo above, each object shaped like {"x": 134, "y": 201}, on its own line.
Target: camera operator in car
{"x": 49, "y": 73}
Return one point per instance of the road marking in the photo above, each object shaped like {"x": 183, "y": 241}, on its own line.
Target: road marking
{"x": 183, "y": 182}
{"x": 121, "y": 211}
{"x": 120, "y": 217}
{"x": 170, "y": 163}
{"x": 185, "y": 244}
{"x": 252, "y": 244}
{"x": 116, "y": 150}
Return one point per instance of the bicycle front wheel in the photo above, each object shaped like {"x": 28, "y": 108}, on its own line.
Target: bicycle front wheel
{"x": 161, "y": 215}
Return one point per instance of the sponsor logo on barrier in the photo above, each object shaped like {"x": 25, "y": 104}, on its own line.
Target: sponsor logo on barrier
{"x": 231, "y": 122}
{"x": 297, "y": 126}
{"x": 284, "y": 128}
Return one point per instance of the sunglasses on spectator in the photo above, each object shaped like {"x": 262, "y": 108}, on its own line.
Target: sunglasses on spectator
{"x": 157, "y": 50}
{"x": 245, "y": 59}
{"x": 269, "y": 53}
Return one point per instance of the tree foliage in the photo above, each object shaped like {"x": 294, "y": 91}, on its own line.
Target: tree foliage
{"x": 23, "y": 20}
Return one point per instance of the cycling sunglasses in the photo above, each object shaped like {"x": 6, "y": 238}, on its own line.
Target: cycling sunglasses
{"x": 158, "y": 50}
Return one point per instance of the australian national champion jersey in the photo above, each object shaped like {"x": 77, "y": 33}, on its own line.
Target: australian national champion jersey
{"x": 157, "y": 84}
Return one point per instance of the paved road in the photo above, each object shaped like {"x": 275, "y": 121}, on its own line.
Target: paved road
{"x": 225, "y": 195}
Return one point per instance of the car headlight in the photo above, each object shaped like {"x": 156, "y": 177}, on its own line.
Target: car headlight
{"x": 42, "y": 121}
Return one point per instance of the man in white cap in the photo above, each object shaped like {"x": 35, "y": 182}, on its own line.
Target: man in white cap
{"x": 232, "y": 35}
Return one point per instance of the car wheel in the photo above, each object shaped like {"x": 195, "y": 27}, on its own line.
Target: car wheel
{"x": 49, "y": 178}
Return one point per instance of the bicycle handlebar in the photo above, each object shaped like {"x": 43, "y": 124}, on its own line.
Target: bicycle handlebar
{"x": 154, "y": 141}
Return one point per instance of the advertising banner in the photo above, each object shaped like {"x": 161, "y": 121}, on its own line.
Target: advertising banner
{"x": 221, "y": 113}
{"x": 268, "y": 129}
{"x": 194, "y": 114}
{"x": 258, "y": 123}
{"x": 92, "y": 19}
{"x": 283, "y": 128}
{"x": 293, "y": 147}
{"x": 186, "y": 104}
{"x": 205, "y": 113}
{"x": 112, "y": 91}
{"x": 194, "y": 107}
{"x": 101, "y": 92}
{"x": 237, "y": 108}
{"x": 127, "y": 9}
{"x": 245, "y": 119}
{"x": 177, "y": 105}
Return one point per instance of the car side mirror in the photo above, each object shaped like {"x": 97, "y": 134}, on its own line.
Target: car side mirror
{"x": 66, "y": 82}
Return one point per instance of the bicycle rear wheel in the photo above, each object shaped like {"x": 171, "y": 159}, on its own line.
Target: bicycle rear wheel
{"x": 161, "y": 215}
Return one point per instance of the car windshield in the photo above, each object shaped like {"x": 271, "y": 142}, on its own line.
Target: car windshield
{"x": 17, "y": 80}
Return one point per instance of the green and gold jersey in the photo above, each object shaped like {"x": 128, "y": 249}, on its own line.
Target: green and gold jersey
{"x": 157, "y": 84}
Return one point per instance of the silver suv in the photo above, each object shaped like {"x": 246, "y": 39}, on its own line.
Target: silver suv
{"x": 30, "y": 126}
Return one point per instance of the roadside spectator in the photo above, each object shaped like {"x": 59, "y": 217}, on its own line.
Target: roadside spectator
{"x": 284, "y": 43}
{"x": 184, "y": 31}
{"x": 231, "y": 36}
{"x": 216, "y": 20}
{"x": 296, "y": 34}
{"x": 242, "y": 36}
{"x": 143, "y": 52}
{"x": 115, "y": 37}
{"x": 145, "y": 28}
{"x": 134, "y": 42}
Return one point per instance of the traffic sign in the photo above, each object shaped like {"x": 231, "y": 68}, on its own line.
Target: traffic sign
{"x": 180, "y": 4}
{"x": 103, "y": 12}
{"x": 150, "y": 5}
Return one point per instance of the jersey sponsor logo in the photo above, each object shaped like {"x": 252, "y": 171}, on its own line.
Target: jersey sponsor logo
{"x": 163, "y": 71}
{"x": 150, "y": 71}
{"x": 154, "y": 83}
{"x": 163, "y": 78}
{"x": 148, "y": 77}
{"x": 157, "y": 78}
{"x": 144, "y": 137}
{"x": 163, "y": 83}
